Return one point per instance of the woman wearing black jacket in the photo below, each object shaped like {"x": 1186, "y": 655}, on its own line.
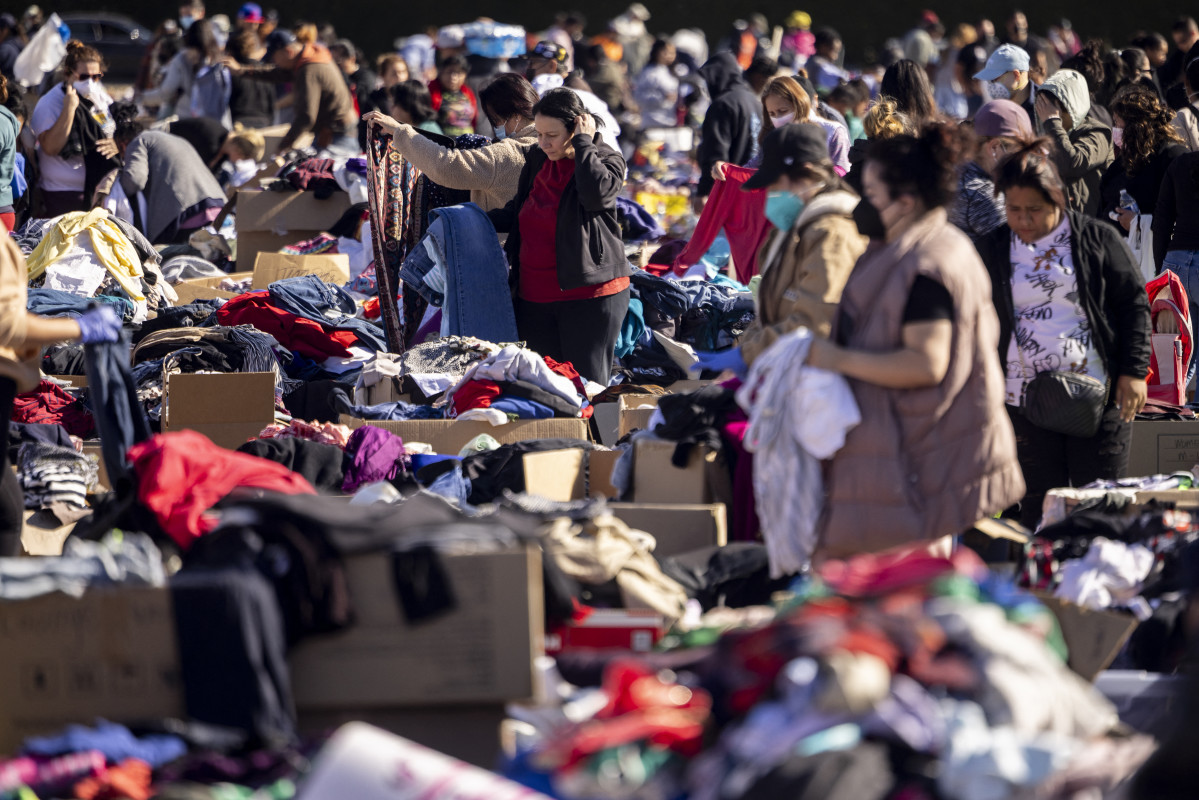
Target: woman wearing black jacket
{"x": 1065, "y": 285}
{"x": 564, "y": 247}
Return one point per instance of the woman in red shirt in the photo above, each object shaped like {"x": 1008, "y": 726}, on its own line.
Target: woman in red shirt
{"x": 564, "y": 246}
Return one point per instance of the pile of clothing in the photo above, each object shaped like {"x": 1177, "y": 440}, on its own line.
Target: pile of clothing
{"x": 882, "y": 677}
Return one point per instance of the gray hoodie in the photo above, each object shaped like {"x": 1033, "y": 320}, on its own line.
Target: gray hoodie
{"x": 1083, "y": 153}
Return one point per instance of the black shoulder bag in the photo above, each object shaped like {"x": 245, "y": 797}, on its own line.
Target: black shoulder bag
{"x": 1062, "y": 402}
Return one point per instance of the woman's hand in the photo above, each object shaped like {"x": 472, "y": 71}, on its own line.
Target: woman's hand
{"x": 1131, "y": 394}
{"x": 107, "y": 148}
{"x": 823, "y": 354}
{"x": 584, "y": 126}
{"x": 1046, "y": 108}
{"x": 230, "y": 63}
{"x": 1125, "y": 217}
{"x": 377, "y": 119}
{"x": 718, "y": 170}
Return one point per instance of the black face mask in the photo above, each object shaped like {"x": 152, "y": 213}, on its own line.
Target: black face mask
{"x": 869, "y": 223}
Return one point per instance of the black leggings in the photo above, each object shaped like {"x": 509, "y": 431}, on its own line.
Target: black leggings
{"x": 1053, "y": 460}
{"x": 12, "y": 500}
{"x": 583, "y": 332}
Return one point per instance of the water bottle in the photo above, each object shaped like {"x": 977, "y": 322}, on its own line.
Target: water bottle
{"x": 1127, "y": 203}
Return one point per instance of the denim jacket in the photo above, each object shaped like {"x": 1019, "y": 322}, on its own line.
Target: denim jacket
{"x": 476, "y": 300}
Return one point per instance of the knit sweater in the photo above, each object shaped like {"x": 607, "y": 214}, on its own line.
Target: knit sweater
{"x": 491, "y": 173}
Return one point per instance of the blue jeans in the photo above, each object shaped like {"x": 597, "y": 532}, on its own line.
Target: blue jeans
{"x": 477, "y": 299}
{"x": 120, "y": 420}
{"x": 1185, "y": 264}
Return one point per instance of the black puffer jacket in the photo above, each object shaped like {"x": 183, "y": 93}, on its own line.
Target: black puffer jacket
{"x": 733, "y": 122}
{"x": 1109, "y": 284}
{"x": 590, "y": 251}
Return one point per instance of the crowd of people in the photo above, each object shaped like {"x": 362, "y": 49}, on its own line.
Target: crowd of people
{"x": 921, "y": 292}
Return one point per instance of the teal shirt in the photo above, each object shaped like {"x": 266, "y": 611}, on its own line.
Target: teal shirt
{"x": 856, "y": 131}
{"x": 9, "y": 128}
{"x": 431, "y": 126}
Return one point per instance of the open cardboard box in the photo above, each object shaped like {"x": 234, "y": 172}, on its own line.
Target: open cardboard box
{"x": 1159, "y": 447}
{"x": 480, "y": 652}
{"x": 228, "y": 408}
{"x": 573, "y": 474}
{"x": 677, "y": 528}
{"x": 269, "y": 220}
{"x": 271, "y": 267}
{"x": 635, "y": 412}
{"x": 1093, "y": 638}
{"x": 194, "y": 289}
{"x": 656, "y": 479}
{"x": 448, "y": 437}
{"x": 111, "y": 653}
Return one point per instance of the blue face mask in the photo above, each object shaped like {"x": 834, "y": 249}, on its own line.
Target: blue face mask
{"x": 783, "y": 208}
{"x": 500, "y": 133}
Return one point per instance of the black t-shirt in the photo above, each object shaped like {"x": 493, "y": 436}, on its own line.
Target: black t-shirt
{"x": 928, "y": 301}
{"x": 252, "y": 102}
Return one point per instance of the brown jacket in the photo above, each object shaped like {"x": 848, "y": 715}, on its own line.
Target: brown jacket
{"x": 924, "y": 463}
{"x": 322, "y": 100}
{"x": 491, "y": 173}
{"x": 802, "y": 283}
{"x": 18, "y": 361}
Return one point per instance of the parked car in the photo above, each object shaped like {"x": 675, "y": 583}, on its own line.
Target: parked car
{"x": 119, "y": 39}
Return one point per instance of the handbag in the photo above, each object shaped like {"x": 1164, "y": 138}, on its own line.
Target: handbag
{"x": 1063, "y": 402}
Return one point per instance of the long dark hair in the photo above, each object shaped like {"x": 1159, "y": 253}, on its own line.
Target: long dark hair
{"x": 509, "y": 94}
{"x": 907, "y": 84}
{"x": 565, "y": 106}
{"x": 414, "y": 98}
{"x": 200, "y": 37}
{"x": 1147, "y": 125}
{"x": 924, "y": 165}
{"x": 1030, "y": 167}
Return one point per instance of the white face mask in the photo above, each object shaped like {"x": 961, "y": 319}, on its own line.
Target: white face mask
{"x": 84, "y": 87}
{"x": 785, "y": 119}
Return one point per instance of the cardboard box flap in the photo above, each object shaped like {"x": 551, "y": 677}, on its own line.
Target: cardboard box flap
{"x": 193, "y": 289}
{"x": 281, "y": 212}
{"x": 636, "y": 410}
{"x": 228, "y": 408}
{"x": 677, "y": 528}
{"x": 271, "y": 267}
{"x": 1093, "y": 638}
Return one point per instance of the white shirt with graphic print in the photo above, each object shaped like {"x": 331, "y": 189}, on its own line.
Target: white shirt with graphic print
{"x": 1051, "y": 325}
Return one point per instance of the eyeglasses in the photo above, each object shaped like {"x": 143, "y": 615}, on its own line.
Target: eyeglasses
{"x": 95, "y": 77}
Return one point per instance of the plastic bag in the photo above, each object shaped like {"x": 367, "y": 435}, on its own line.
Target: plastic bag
{"x": 43, "y": 54}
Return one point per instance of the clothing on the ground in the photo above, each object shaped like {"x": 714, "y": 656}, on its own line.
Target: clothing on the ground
{"x": 182, "y": 475}
{"x": 50, "y": 403}
{"x": 119, "y": 558}
{"x": 111, "y": 246}
{"x": 51, "y": 474}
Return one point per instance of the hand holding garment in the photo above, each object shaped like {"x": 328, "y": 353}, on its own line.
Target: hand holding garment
{"x": 726, "y": 359}
{"x": 100, "y": 324}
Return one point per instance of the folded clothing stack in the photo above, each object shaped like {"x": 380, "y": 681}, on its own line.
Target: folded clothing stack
{"x": 50, "y": 474}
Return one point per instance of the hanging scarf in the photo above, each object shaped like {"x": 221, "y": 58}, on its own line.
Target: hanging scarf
{"x": 394, "y": 211}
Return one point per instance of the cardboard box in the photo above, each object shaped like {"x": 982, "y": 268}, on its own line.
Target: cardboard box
{"x": 574, "y": 474}
{"x": 194, "y": 289}
{"x": 656, "y": 479}
{"x": 1162, "y": 447}
{"x": 682, "y": 387}
{"x": 228, "y": 408}
{"x": 109, "y": 654}
{"x": 449, "y": 437}
{"x": 635, "y": 412}
{"x": 1093, "y": 638}
{"x": 91, "y": 447}
{"x": 1187, "y": 499}
{"x": 481, "y": 652}
{"x": 75, "y": 381}
{"x": 42, "y": 534}
{"x": 636, "y": 630}
{"x": 677, "y": 528}
{"x": 268, "y": 221}
{"x": 271, "y": 267}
